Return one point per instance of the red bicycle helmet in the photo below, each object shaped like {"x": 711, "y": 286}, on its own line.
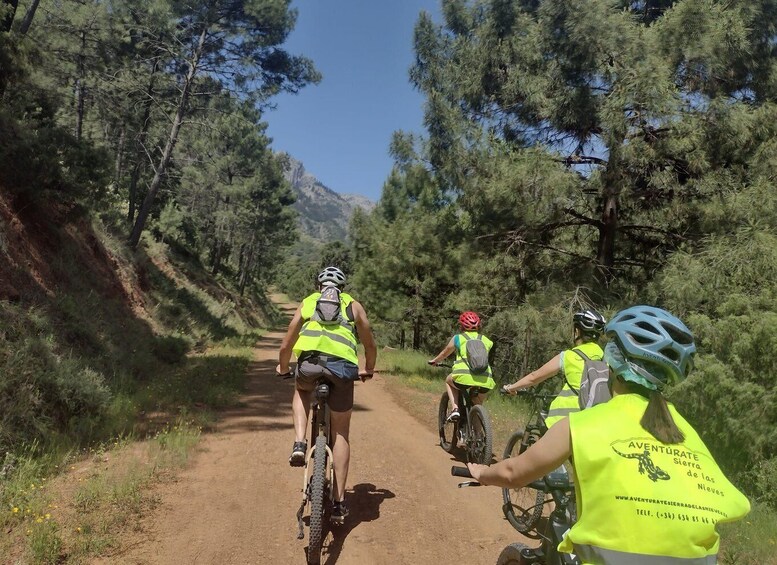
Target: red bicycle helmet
{"x": 469, "y": 321}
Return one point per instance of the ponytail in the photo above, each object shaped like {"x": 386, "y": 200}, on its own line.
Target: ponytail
{"x": 657, "y": 420}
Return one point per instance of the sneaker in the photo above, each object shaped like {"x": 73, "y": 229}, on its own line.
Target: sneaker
{"x": 339, "y": 512}
{"x": 297, "y": 458}
{"x": 453, "y": 416}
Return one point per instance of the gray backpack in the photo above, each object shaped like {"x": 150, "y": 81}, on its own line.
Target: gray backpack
{"x": 477, "y": 355}
{"x": 593, "y": 382}
{"x": 328, "y": 310}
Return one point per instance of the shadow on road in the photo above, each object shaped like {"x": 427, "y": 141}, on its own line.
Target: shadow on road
{"x": 364, "y": 505}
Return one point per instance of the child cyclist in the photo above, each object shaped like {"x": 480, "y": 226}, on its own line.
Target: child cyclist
{"x": 464, "y": 373}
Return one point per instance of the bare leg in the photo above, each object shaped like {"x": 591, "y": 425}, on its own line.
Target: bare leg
{"x": 453, "y": 393}
{"x": 300, "y": 407}
{"x": 339, "y": 427}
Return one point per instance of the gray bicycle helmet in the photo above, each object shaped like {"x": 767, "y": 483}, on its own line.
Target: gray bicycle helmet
{"x": 650, "y": 342}
{"x": 331, "y": 275}
{"x": 590, "y": 322}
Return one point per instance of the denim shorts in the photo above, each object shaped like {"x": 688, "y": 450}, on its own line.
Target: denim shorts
{"x": 311, "y": 369}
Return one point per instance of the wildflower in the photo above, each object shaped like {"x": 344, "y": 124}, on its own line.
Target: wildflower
{"x": 78, "y": 529}
{"x": 48, "y": 516}
{"x": 38, "y": 520}
{"x": 16, "y": 510}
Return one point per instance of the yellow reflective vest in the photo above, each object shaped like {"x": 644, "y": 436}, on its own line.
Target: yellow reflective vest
{"x": 460, "y": 370}
{"x": 339, "y": 340}
{"x": 640, "y": 500}
{"x": 566, "y": 401}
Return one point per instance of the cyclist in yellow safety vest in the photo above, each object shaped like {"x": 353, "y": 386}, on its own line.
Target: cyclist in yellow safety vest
{"x": 648, "y": 491}
{"x": 328, "y": 350}
{"x": 460, "y": 375}
{"x": 587, "y": 326}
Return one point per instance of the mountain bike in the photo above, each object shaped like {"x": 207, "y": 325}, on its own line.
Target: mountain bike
{"x": 523, "y": 506}
{"x": 318, "y": 480}
{"x": 561, "y": 491}
{"x": 472, "y": 431}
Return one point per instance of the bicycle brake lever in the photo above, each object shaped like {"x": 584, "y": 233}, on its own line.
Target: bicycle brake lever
{"x": 469, "y": 484}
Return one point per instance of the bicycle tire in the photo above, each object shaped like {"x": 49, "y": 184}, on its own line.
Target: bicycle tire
{"x": 480, "y": 448}
{"x": 511, "y": 555}
{"x": 447, "y": 429}
{"x": 522, "y": 506}
{"x": 317, "y": 496}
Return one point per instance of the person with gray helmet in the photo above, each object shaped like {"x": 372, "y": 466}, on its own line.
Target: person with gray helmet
{"x": 587, "y": 326}
{"x": 648, "y": 490}
{"x": 323, "y": 334}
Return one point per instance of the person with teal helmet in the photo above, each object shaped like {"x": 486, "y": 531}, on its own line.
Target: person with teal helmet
{"x": 648, "y": 490}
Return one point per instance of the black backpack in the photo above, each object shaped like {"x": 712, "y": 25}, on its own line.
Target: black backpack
{"x": 477, "y": 355}
{"x": 593, "y": 382}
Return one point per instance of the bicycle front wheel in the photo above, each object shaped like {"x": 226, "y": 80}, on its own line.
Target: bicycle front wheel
{"x": 480, "y": 448}
{"x": 511, "y": 555}
{"x": 317, "y": 500}
{"x": 447, "y": 429}
{"x": 522, "y": 506}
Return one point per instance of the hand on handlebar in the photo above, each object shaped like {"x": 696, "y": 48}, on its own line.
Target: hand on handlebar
{"x": 432, "y": 362}
{"x": 281, "y": 373}
{"x": 366, "y": 375}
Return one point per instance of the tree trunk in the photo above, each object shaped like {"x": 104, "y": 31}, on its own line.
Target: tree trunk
{"x": 417, "y": 333}
{"x": 141, "y": 144}
{"x": 27, "y": 21}
{"x": 605, "y": 254}
{"x": 246, "y": 267}
{"x": 167, "y": 154}
{"x": 118, "y": 165}
{"x": 80, "y": 89}
{"x": 8, "y": 21}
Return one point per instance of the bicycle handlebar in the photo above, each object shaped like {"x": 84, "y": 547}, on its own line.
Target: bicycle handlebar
{"x": 461, "y": 472}
{"x": 464, "y": 472}
{"x": 443, "y": 365}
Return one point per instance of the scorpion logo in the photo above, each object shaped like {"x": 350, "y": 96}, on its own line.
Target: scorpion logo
{"x": 646, "y": 464}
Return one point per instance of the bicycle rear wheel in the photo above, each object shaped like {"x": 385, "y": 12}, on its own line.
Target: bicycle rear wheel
{"x": 481, "y": 444}
{"x": 317, "y": 499}
{"x": 522, "y": 506}
{"x": 447, "y": 429}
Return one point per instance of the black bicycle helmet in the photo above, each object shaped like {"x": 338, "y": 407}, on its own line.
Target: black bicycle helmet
{"x": 589, "y": 322}
{"x": 331, "y": 275}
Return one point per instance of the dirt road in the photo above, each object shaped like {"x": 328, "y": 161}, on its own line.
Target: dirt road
{"x": 236, "y": 502}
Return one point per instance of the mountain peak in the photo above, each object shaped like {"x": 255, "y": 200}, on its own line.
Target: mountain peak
{"x": 323, "y": 213}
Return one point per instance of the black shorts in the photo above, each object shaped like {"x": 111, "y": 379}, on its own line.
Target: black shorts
{"x": 340, "y": 390}
{"x": 473, "y": 390}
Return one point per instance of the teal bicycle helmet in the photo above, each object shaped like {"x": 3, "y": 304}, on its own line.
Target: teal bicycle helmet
{"x": 649, "y": 346}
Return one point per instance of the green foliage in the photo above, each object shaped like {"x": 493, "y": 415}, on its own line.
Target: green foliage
{"x": 171, "y": 349}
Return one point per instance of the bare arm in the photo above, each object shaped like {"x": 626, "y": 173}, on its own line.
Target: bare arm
{"x": 364, "y": 331}
{"x": 547, "y": 454}
{"x": 537, "y": 376}
{"x": 292, "y": 333}
{"x": 444, "y": 354}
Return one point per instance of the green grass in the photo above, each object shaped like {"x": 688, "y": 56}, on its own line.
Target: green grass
{"x": 752, "y": 541}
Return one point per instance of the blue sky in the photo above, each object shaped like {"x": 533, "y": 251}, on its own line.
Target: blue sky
{"x": 341, "y": 128}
